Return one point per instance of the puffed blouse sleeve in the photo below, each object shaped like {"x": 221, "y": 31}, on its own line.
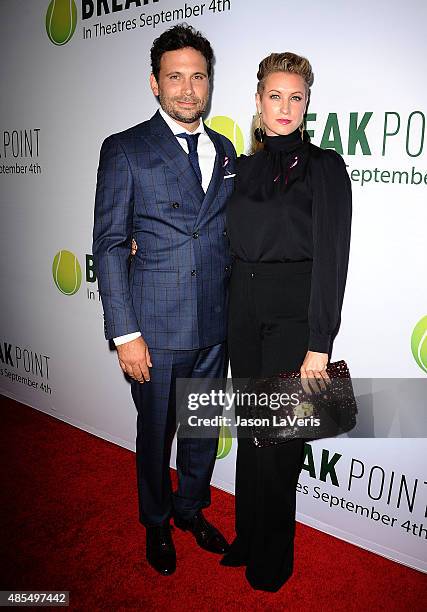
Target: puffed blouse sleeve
{"x": 331, "y": 216}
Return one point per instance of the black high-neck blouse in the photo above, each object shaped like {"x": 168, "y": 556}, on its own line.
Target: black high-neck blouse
{"x": 292, "y": 202}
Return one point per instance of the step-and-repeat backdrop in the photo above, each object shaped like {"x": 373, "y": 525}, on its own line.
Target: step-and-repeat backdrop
{"x": 75, "y": 71}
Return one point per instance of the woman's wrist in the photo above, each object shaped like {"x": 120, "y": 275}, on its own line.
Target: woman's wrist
{"x": 318, "y": 342}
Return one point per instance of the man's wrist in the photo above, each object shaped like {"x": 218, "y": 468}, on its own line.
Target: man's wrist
{"x": 126, "y": 338}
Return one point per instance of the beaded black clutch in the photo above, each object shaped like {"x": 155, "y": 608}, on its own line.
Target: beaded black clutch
{"x": 282, "y": 408}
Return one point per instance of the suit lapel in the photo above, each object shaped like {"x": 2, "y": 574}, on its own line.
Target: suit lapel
{"x": 166, "y": 145}
{"x": 217, "y": 175}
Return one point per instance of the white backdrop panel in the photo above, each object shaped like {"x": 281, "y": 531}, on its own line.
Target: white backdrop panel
{"x": 366, "y": 59}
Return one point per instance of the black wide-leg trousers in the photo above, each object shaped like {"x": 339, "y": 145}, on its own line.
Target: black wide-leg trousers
{"x": 268, "y": 334}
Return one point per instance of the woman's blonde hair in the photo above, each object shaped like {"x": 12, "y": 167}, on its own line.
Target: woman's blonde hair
{"x": 281, "y": 62}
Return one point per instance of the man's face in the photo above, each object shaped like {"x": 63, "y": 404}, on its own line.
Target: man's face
{"x": 183, "y": 86}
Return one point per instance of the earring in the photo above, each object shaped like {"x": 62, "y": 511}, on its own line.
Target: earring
{"x": 259, "y": 132}
{"x": 301, "y": 129}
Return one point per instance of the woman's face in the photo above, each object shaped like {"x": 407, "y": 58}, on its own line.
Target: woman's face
{"x": 283, "y": 103}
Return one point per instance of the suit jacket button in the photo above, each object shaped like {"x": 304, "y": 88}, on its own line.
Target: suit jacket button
{"x": 224, "y": 233}
{"x": 227, "y": 268}
{"x": 195, "y": 234}
{"x": 175, "y": 205}
{"x": 193, "y": 272}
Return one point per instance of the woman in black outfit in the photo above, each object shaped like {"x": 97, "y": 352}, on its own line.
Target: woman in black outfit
{"x": 289, "y": 228}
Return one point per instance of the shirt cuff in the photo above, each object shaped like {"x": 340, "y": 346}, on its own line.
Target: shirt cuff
{"x": 319, "y": 343}
{"x": 126, "y": 338}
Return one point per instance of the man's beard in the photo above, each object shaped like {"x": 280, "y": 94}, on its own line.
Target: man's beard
{"x": 167, "y": 105}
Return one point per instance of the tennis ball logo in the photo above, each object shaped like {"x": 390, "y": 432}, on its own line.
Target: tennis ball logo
{"x": 229, "y": 128}
{"x": 224, "y": 442}
{"x": 419, "y": 343}
{"x": 61, "y": 20}
{"x": 67, "y": 272}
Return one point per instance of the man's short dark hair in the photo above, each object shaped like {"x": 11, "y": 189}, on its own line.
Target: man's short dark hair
{"x": 180, "y": 37}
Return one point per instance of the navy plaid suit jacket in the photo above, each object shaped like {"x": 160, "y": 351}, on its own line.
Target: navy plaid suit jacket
{"x": 175, "y": 290}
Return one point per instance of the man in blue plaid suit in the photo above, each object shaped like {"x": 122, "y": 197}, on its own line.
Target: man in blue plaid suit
{"x": 164, "y": 183}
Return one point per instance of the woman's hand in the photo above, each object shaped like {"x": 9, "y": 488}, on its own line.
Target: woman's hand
{"x": 314, "y": 368}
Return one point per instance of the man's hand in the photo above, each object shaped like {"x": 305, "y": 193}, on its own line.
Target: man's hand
{"x": 134, "y": 358}
{"x": 314, "y": 368}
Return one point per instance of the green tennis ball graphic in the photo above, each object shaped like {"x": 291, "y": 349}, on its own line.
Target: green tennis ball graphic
{"x": 419, "y": 343}
{"x": 229, "y": 128}
{"x": 224, "y": 442}
{"x": 61, "y": 20}
{"x": 67, "y": 273}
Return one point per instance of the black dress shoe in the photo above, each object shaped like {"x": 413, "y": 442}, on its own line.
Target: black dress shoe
{"x": 160, "y": 551}
{"x": 207, "y": 536}
{"x": 232, "y": 560}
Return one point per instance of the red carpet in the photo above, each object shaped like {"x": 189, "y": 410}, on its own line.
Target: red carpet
{"x": 69, "y": 521}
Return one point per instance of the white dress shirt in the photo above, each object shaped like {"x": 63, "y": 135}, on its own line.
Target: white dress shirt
{"x": 207, "y": 153}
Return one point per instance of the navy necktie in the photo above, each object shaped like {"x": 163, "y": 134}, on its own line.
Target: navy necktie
{"x": 192, "y": 152}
